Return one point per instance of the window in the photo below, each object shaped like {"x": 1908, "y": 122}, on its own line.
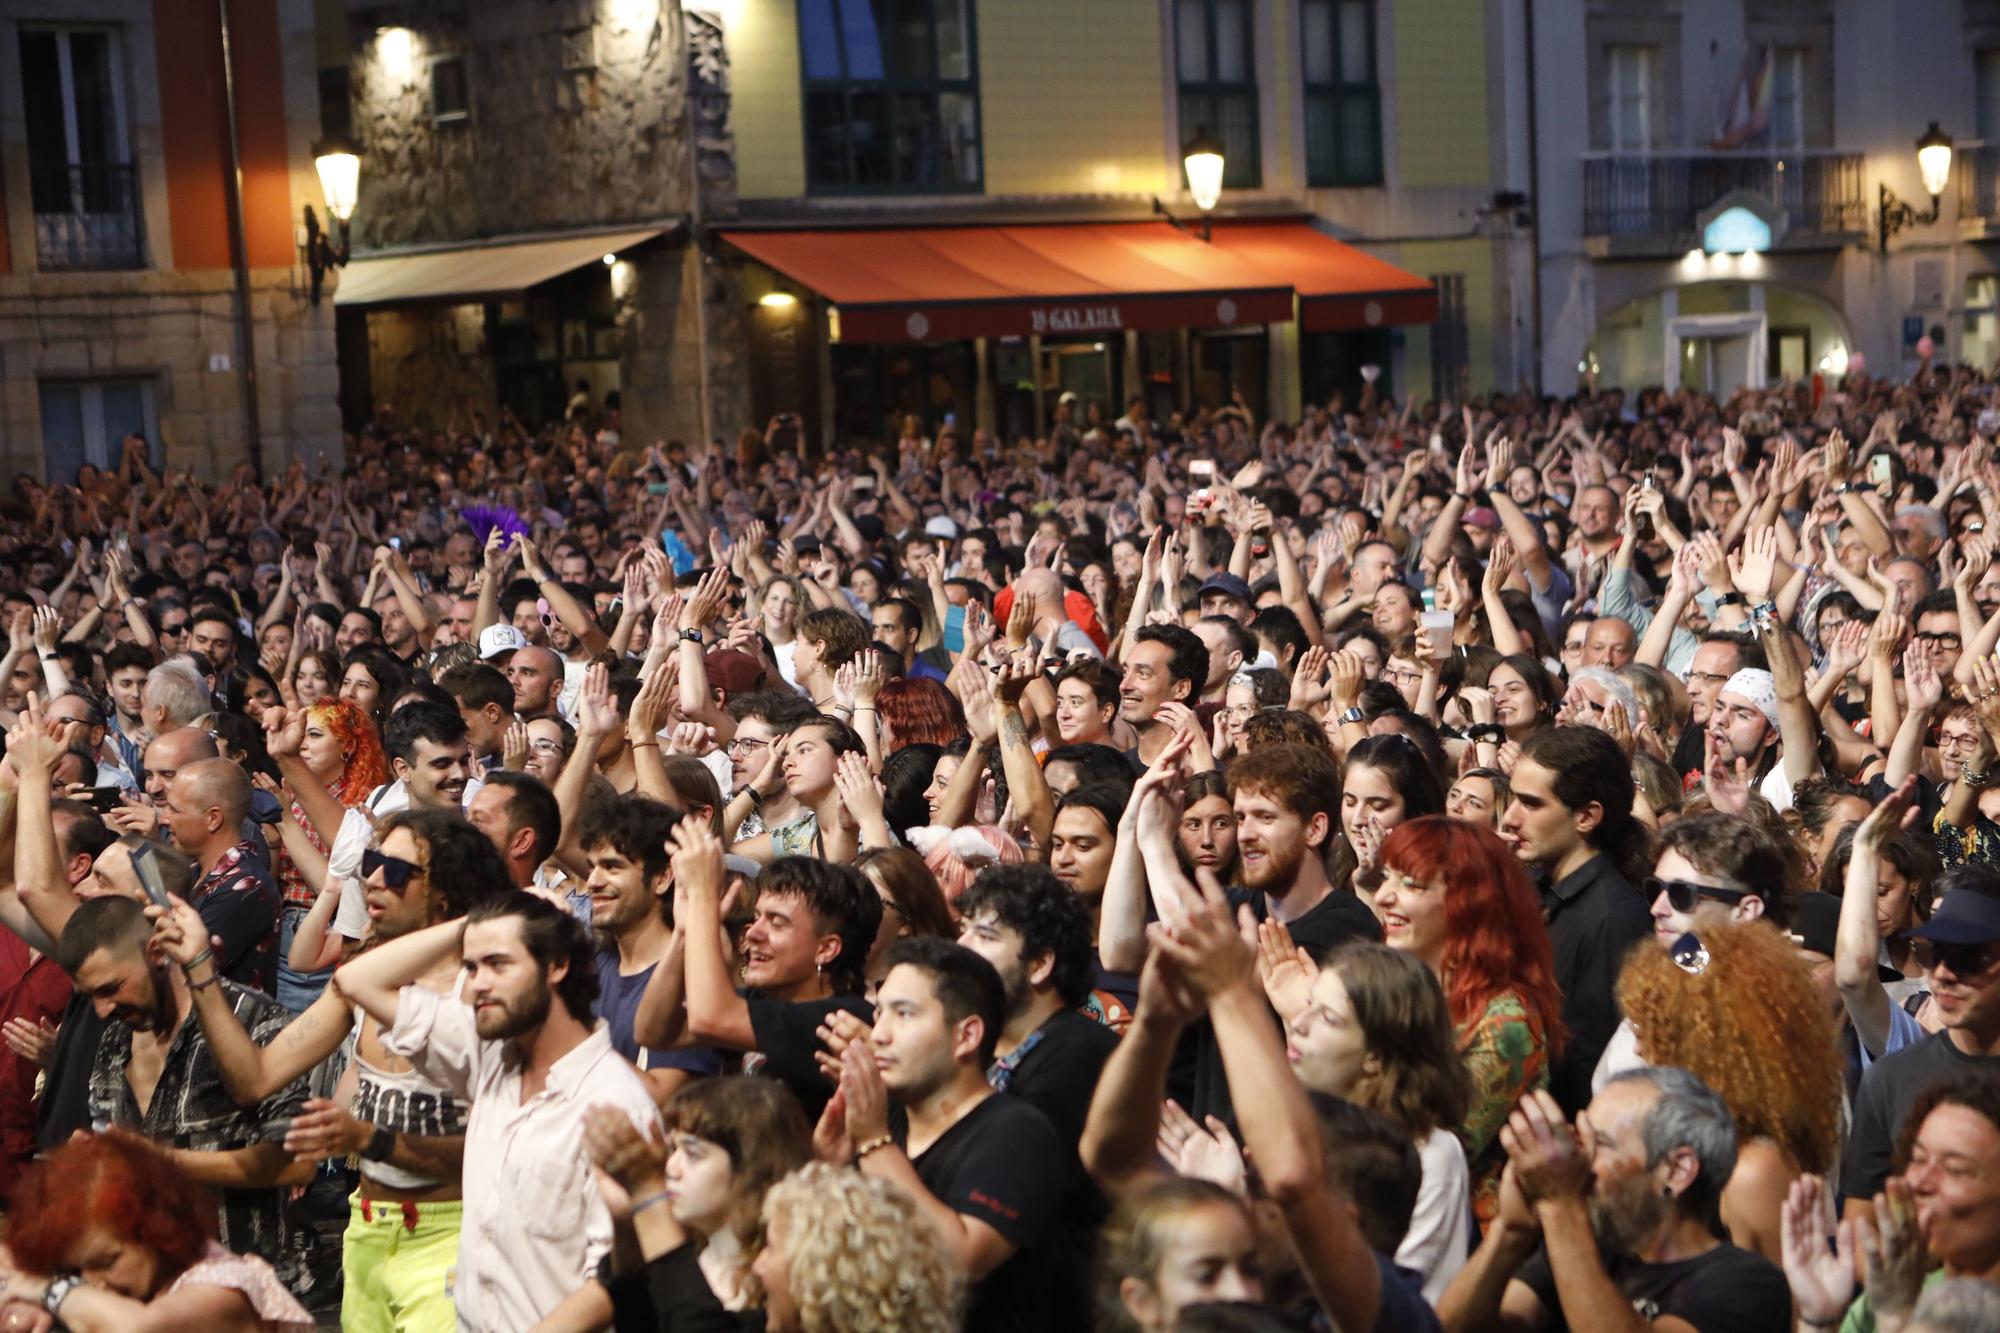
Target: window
{"x": 1629, "y": 84}
{"x": 451, "y": 98}
{"x": 1343, "y": 101}
{"x": 80, "y": 175}
{"x": 336, "y": 105}
{"x": 86, "y": 421}
{"x": 1214, "y": 54}
{"x": 1450, "y": 346}
{"x": 892, "y": 95}
{"x": 1986, "y": 94}
{"x": 1980, "y": 345}
{"x": 1788, "y": 97}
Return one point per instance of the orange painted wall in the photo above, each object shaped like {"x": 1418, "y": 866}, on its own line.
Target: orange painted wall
{"x": 196, "y": 135}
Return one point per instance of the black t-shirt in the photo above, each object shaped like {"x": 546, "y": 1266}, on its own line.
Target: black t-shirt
{"x": 786, "y": 1044}
{"x": 1058, "y": 1077}
{"x": 65, "y": 1103}
{"x": 671, "y": 1292}
{"x": 1888, "y": 1090}
{"x": 1726, "y": 1290}
{"x": 1334, "y": 919}
{"x": 1003, "y": 1165}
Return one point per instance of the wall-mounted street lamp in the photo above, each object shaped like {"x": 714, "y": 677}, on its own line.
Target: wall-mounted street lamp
{"x": 1934, "y": 165}
{"x": 1203, "y": 162}
{"x": 339, "y": 166}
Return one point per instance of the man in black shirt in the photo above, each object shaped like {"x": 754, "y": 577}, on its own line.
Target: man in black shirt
{"x": 985, "y": 1168}
{"x": 1036, "y": 933}
{"x": 1571, "y": 818}
{"x": 802, "y": 959}
{"x": 1616, "y": 1226}
{"x": 1960, "y": 946}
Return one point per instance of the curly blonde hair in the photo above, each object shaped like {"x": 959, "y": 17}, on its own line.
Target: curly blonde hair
{"x": 861, "y": 1258}
{"x": 1753, "y": 1027}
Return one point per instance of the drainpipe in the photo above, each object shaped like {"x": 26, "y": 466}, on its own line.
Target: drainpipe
{"x": 239, "y": 256}
{"x": 1535, "y": 200}
{"x": 698, "y": 240}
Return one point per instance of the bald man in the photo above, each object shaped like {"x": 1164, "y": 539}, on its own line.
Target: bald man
{"x": 537, "y": 677}
{"x": 169, "y": 753}
{"x": 205, "y": 806}
{"x": 1059, "y": 635}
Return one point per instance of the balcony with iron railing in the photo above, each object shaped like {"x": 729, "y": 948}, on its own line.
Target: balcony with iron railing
{"x": 87, "y": 216}
{"x": 1639, "y": 203}
{"x": 1977, "y": 166}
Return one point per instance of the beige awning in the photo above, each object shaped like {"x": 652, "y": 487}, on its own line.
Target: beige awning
{"x": 478, "y": 272}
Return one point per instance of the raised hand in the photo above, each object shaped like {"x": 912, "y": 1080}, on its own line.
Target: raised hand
{"x": 514, "y": 748}
{"x": 1286, "y": 970}
{"x": 1752, "y": 568}
{"x": 1205, "y": 1151}
{"x": 596, "y": 709}
{"x": 1923, "y": 690}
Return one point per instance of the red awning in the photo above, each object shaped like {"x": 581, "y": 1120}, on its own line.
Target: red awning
{"x": 917, "y": 284}
{"x": 1339, "y": 286}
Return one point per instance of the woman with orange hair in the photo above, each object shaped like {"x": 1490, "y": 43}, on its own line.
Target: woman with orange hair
{"x": 342, "y": 751}
{"x": 133, "y": 1238}
{"x": 1455, "y": 896}
{"x": 1740, "y": 1012}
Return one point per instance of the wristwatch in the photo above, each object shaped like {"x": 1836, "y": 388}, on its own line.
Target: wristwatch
{"x": 1486, "y": 731}
{"x": 1352, "y": 715}
{"x": 380, "y": 1144}
{"x": 690, "y": 636}
{"x": 1732, "y": 599}
{"x": 58, "y": 1290}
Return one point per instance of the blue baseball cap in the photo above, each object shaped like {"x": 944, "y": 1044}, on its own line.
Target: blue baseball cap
{"x": 1963, "y": 916}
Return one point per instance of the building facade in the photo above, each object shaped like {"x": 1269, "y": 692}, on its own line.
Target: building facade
{"x": 121, "y": 310}
{"x": 1383, "y": 124}
{"x": 533, "y": 174}
{"x": 1713, "y": 188}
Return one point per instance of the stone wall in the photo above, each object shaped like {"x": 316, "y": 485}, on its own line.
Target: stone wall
{"x": 424, "y": 362}
{"x": 576, "y": 117}
{"x": 165, "y": 327}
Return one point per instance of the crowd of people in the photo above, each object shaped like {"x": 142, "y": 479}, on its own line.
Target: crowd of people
{"x": 1521, "y": 864}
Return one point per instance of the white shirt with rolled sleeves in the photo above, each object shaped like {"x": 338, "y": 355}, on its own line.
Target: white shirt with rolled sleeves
{"x": 534, "y": 1225}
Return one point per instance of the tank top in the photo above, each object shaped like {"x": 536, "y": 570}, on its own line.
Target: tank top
{"x": 407, "y": 1103}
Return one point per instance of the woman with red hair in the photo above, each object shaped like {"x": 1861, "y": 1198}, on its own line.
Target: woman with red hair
{"x": 917, "y": 710}
{"x": 109, "y": 1236}
{"x": 340, "y": 748}
{"x": 1454, "y": 896}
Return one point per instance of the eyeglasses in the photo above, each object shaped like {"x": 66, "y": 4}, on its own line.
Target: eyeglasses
{"x": 1708, "y": 677}
{"x": 1684, "y": 894}
{"x": 395, "y": 870}
{"x": 1948, "y": 741}
{"x": 739, "y": 745}
{"x": 546, "y": 746}
{"x": 1690, "y": 955}
{"x": 177, "y": 627}
{"x": 1938, "y": 638}
{"x": 1961, "y": 960}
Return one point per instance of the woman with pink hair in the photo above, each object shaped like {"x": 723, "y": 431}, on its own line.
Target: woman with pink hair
{"x": 957, "y": 855}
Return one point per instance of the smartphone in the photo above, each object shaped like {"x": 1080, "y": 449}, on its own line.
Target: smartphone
{"x": 1202, "y": 469}
{"x": 1881, "y": 471}
{"x": 1430, "y": 599}
{"x": 145, "y": 864}
{"x": 864, "y": 485}
{"x": 1646, "y": 483}
{"x": 395, "y": 543}
{"x": 657, "y": 488}
{"x": 105, "y": 799}
{"x": 951, "y": 418}
{"x": 954, "y": 630}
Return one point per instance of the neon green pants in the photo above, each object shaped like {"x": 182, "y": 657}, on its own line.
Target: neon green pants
{"x": 399, "y": 1262}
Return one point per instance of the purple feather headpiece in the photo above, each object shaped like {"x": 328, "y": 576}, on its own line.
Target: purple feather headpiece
{"x": 485, "y": 518}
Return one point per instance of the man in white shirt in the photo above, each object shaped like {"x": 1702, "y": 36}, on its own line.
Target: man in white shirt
{"x": 518, "y": 1042}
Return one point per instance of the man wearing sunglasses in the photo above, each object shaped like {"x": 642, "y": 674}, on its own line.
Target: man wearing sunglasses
{"x": 1959, "y": 950}
{"x": 426, "y": 867}
{"x": 1711, "y": 869}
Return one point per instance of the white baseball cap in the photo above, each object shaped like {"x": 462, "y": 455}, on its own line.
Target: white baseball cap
{"x": 497, "y": 640}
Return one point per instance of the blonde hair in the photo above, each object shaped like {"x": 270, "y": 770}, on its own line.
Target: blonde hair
{"x": 860, "y": 1256}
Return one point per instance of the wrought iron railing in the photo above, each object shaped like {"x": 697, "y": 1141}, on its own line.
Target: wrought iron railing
{"x": 87, "y": 215}
{"x": 1658, "y": 195}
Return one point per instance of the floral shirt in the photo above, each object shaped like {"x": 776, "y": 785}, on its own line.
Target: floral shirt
{"x": 276, "y": 1308}
{"x": 1509, "y": 1058}
{"x": 238, "y": 902}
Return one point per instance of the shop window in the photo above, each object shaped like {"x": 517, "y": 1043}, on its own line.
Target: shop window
{"x": 891, "y": 96}
{"x": 1450, "y": 350}
{"x": 1343, "y": 99}
{"x": 1215, "y": 58}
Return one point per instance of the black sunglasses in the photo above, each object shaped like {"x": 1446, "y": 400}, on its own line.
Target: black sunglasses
{"x": 1684, "y": 894}
{"x": 1963, "y": 960}
{"x": 395, "y": 870}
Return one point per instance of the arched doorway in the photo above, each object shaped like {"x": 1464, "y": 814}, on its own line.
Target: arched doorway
{"x": 1718, "y": 337}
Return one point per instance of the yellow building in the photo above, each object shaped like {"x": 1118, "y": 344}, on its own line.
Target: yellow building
{"x": 949, "y": 207}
